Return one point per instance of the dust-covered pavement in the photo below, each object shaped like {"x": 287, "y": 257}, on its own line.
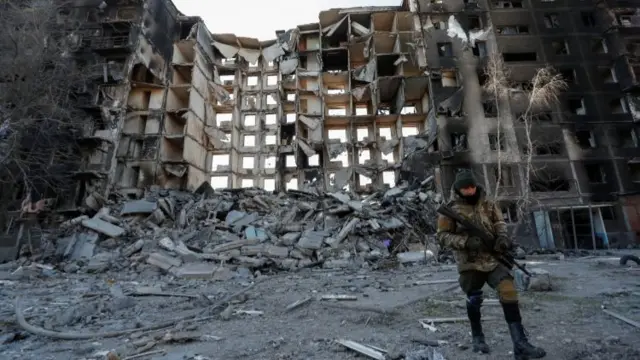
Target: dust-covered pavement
{"x": 568, "y": 321}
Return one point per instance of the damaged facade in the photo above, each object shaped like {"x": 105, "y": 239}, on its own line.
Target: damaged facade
{"x": 580, "y": 153}
{"x": 330, "y": 104}
{"x": 365, "y": 98}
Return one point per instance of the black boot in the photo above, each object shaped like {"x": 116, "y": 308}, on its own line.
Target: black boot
{"x": 478, "y": 343}
{"x": 522, "y": 349}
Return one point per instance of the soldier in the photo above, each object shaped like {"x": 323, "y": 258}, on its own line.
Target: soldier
{"x": 477, "y": 266}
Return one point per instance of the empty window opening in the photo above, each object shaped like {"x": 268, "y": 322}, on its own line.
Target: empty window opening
{"x": 490, "y": 108}
{"x": 338, "y": 134}
{"x": 513, "y": 30}
{"x": 291, "y": 97}
{"x": 496, "y": 142}
{"x": 551, "y": 21}
{"x": 271, "y": 100}
{"x": 389, "y": 178}
{"x": 252, "y": 80}
{"x": 406, "y": 110}
{"x": 249, "y": 120}
{"x": 343, "y": 158}
{"x": 552, "y": 149}
{"x": 272, "y": 80}
{"x": 269, "y": 184}
{"x": 588, "y": 19}
{"x": 227, "y": 79}
{"x": 333, "y": 90}
{"x": 577, "y": 107}
{"x": 362, "y": 110}
{"x": 627, "y": 138}
{"x": 627, "y": 20}
{"x": 449, "y": 79}
{"x": 445, "y": 49}
{"x": 409, "y": 131}
{"x": 560, "y": 47}
{"x": 249, "y": 140}
{"x": 509, "y": 212}
{"x": 270, "y": 162}
{"x": 250, "y": 101}
{"x": 270, "y": 63}
{"x": 218, "y": 162}
{"x": 595, "y": 174}
{"x": 313, "y": 160}
{"x": 246, "y": 183}
{"x": 254, "y": 64}
{"x": 548, "y": 181}
{"x": 364, "y": 156}
{"x": 228, "y": 61}
{"x": 291, "y": 118}
{"x": 440, "y": 25}
{"x": 520, "y": 57}
{"x": 389, "y": 158}
{"x": 608, "y": 75}
{"x": 459, "y": 142}
{"x": 618, "y": 106}
{"x": 599, "y": 46}
{"x": 504, "y": 174}
{"x": 270, "y": 140}
{"x": 475, "y": 23}
{"x": 362, "y": 134}
{"x": 220, "y": 182}
{"x": 292, "y": 184}
{"x": 513, "y": 4}
{"x": 337, "y": 112}
{"x": 248, "y": 162}
{"x": 480, "y": 49}
{"x": 634, "y": 172}
{"x": 364, "y": 180}
{"x": 222, "y": 118}
{"x": 586, "y": 139}
{"x": 385, "y": 132}
{"x": 271, "y": 119}
{"x": 568, "y": 75}
{"x": 290, "y": 161}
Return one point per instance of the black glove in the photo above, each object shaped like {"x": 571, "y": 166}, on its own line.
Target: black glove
{"x": 503, "y": 244}
{"x": 474, "y": 243}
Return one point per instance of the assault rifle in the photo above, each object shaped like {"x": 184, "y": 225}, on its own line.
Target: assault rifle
{"x": 488, "y": 238}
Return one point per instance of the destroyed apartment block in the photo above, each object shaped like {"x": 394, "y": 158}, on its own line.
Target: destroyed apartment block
{"x": 365, "y": 99}
{"x": 574, "y": 161}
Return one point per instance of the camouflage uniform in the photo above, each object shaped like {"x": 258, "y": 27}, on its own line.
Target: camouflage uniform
{"x": 479, "y": 267}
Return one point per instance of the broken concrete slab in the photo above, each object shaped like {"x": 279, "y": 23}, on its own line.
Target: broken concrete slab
{"x": 139, "y": 207}
{"x": 196, "y": 271}
{"x": 103, "y": 227}
{"x": 164, "y": 262}
{"x": 312, "y": 240}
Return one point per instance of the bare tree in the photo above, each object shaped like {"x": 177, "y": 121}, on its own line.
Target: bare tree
{"x": 39, "y": 115}
{"x": 542, "y": 93}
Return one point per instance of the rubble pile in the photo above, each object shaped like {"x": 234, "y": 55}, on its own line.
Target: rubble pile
{"x": 209, "y": 233}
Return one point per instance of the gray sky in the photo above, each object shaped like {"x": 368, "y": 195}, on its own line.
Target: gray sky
{"x": 259, "y": 18}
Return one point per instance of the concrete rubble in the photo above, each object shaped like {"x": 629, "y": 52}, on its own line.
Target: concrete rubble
{"x": 210, "y": 234}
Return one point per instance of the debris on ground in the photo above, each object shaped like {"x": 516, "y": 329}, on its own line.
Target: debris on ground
{"x": 196, "y": 236}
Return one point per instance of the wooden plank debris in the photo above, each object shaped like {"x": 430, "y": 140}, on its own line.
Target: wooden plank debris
{"x": 298, "y": 303}
{"x": 622, "y": 318}
{"x": 339, "y": 297}
{"x": 362, "y": 349}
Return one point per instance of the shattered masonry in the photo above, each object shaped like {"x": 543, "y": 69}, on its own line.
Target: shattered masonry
{"x": 367, "y": 97}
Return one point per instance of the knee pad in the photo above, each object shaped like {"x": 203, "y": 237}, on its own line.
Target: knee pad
{"x": 475, "y": 298}
{"x": 507, "y": 291}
